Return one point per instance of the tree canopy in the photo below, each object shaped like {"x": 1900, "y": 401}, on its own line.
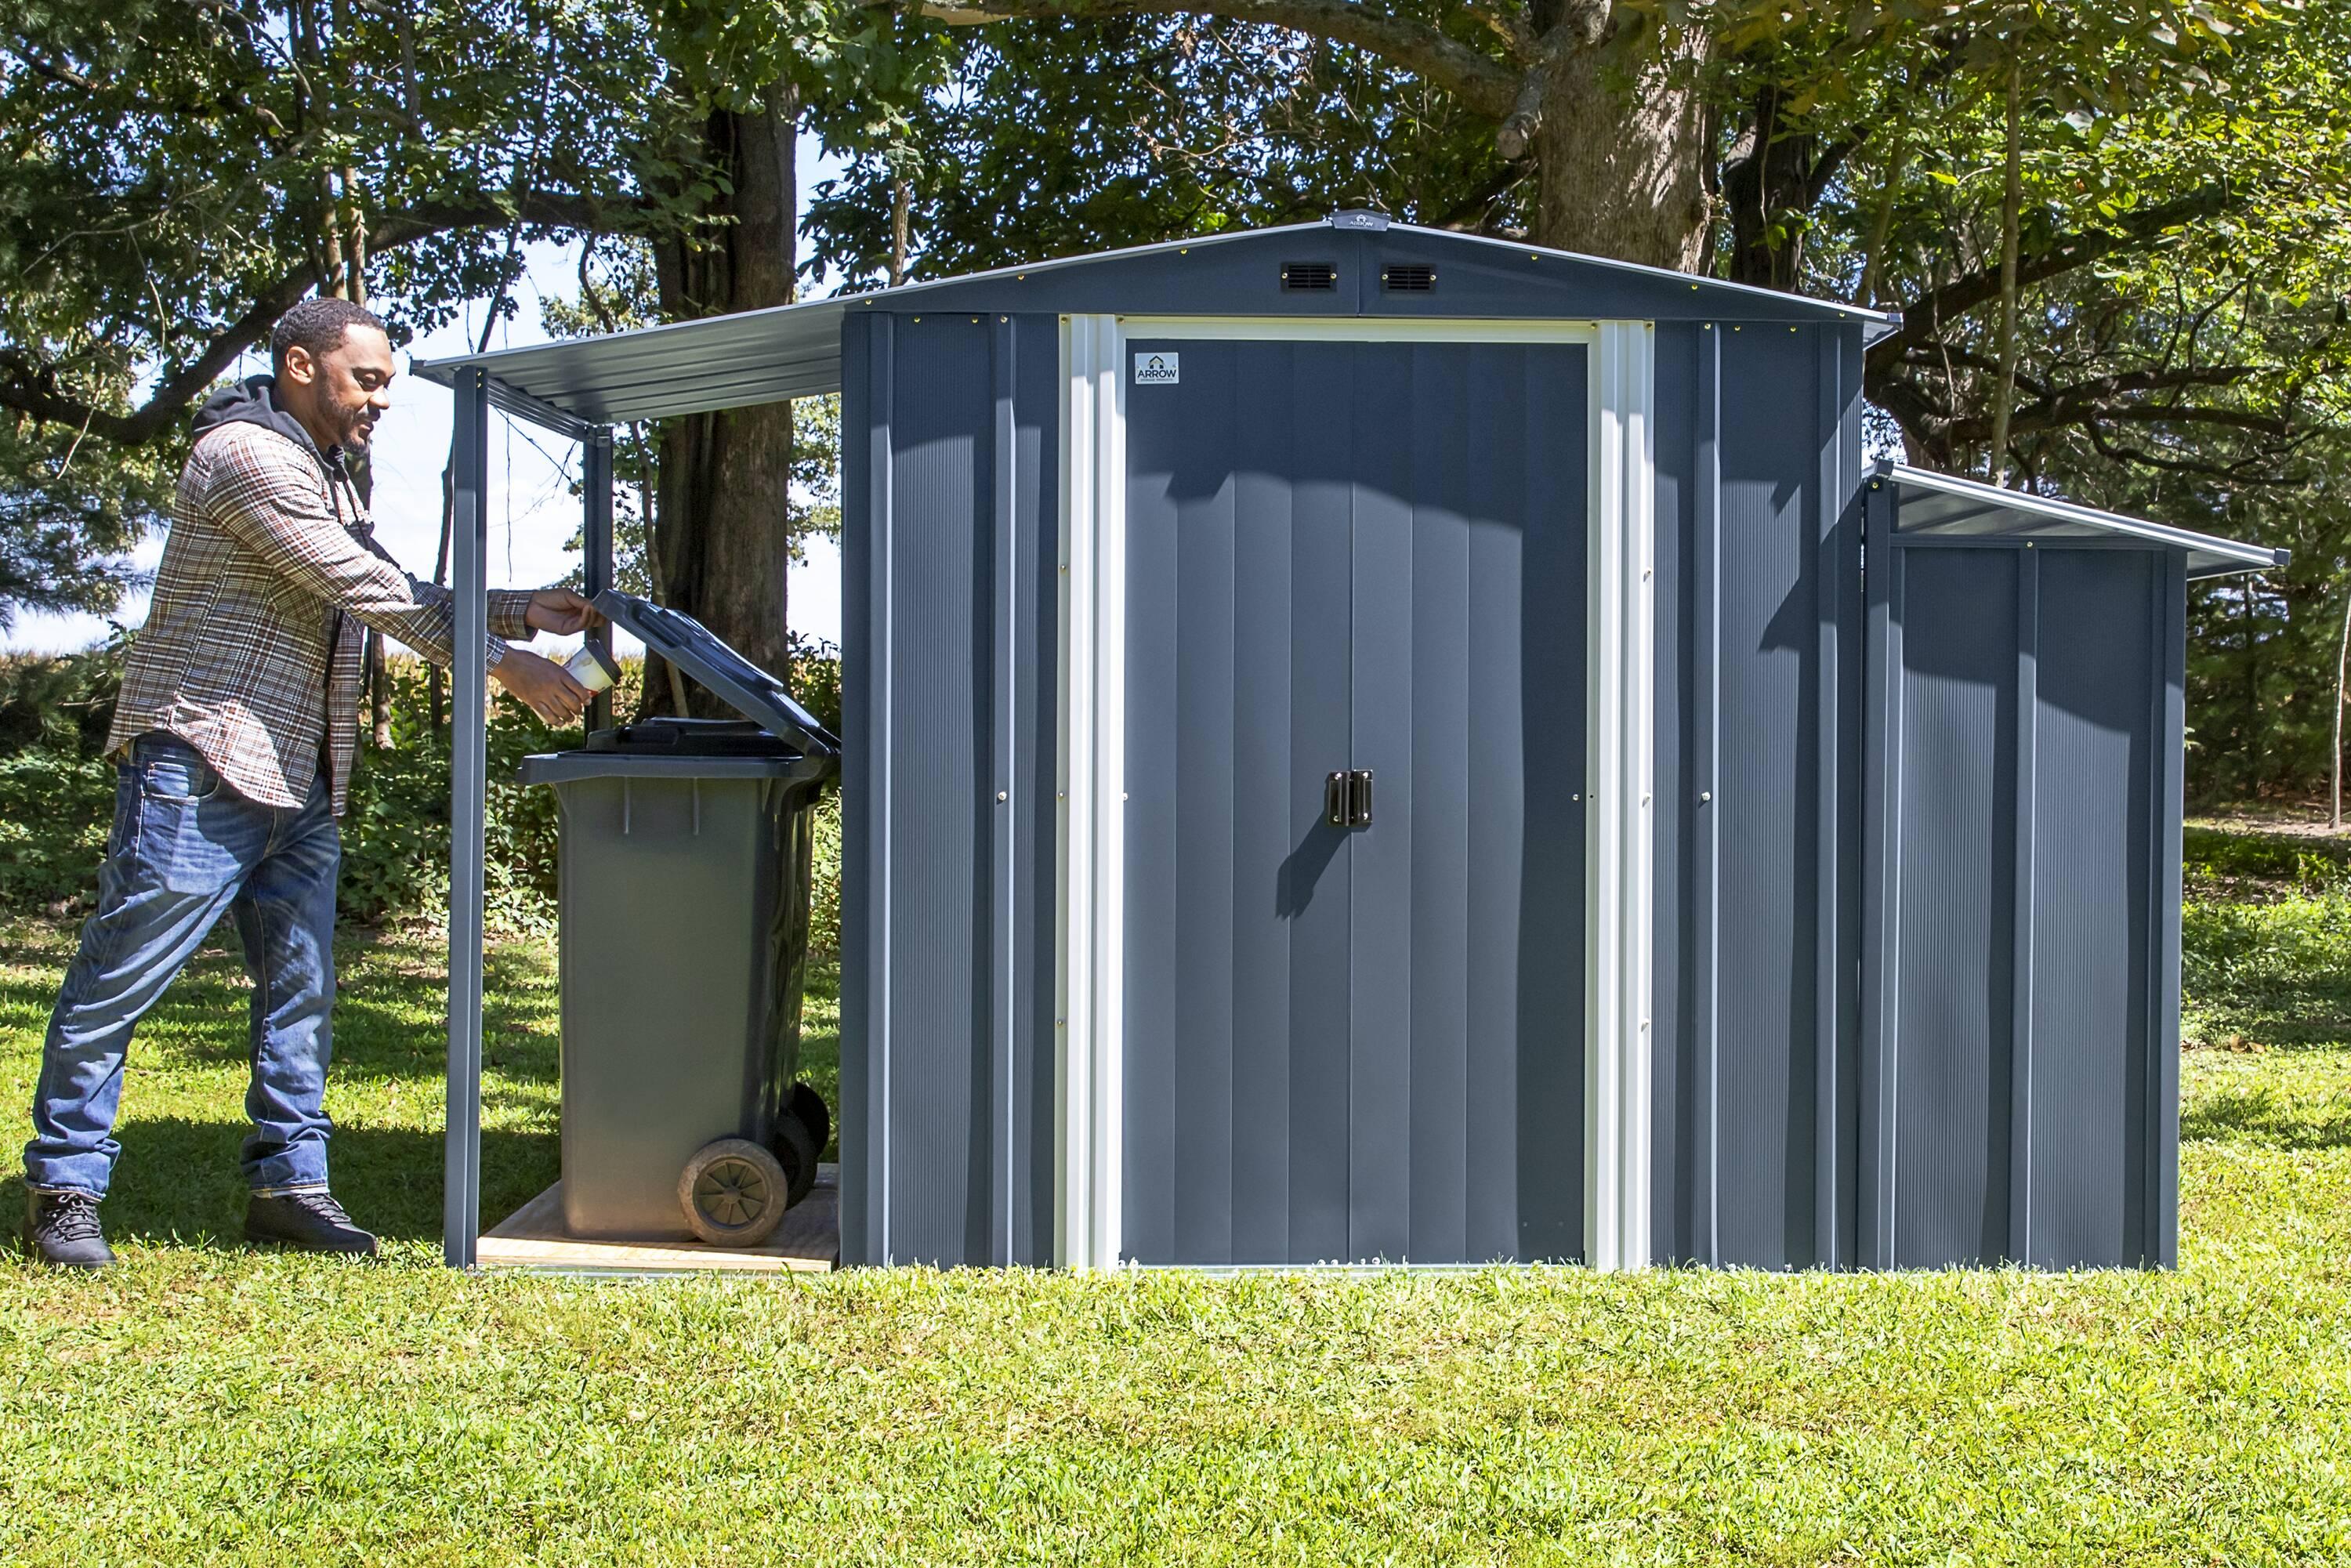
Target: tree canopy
{"x": 2116, "y": 234}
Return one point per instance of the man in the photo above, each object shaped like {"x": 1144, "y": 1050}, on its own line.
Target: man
{"x": 233, "y": 739}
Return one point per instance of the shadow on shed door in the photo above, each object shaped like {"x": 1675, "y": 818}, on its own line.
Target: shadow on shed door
{"x": 1355, "y": 1043}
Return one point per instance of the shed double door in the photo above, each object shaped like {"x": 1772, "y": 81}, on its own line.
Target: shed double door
{"x": 1355, "y": 1043}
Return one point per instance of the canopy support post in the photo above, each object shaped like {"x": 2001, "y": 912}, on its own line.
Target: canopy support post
{"x": 461, "y": 1192}
{"x": 595, "y": 550}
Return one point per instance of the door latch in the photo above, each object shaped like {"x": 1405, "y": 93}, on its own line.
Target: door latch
{"x": 1347, "y": 798}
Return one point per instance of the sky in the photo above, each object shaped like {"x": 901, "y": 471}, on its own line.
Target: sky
{"x": 532, "y": 511}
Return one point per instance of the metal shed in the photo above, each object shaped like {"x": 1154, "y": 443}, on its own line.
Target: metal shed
{"x": 1367, "y": 743}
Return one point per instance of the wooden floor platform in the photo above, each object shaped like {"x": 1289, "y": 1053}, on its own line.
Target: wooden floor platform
{"x": 808, "y": 1242}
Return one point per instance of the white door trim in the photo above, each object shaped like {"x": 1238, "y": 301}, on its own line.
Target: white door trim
{"x": 1621, "y": 654}
{"x": 1089, "y": 1133}
{"x": 1620, "y": 702}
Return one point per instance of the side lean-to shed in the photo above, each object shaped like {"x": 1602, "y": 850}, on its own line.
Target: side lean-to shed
{"x": 1369, "y": 744}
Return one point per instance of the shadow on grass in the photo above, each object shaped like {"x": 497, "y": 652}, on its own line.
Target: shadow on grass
{"x": 2264, "y": 1117}
{"x": 178, "y": 1182}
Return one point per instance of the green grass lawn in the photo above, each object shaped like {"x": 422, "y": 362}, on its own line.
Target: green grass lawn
{"x": 204, "y": 1404}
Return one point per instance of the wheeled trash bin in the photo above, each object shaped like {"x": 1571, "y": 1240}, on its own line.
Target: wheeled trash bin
{"x": 684, "y": 865}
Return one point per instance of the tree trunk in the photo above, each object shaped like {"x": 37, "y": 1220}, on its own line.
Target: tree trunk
{"x": 2011, "y": 211}
{"x": 1621, "y": 169}
{"x": 720, "y": 544}
{"x": 1769, "y": 194}
{"x": 2334, "y": 766}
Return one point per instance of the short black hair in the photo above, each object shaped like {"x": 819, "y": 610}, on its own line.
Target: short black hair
{"x": 317, "y": 325}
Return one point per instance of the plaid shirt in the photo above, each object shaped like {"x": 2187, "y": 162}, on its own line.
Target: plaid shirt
{"x": 251, "y": 653}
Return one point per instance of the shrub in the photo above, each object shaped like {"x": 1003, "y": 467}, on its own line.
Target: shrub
{"x": 57, "y": 800}
{"x": 55, "y": 807}
{"x": 62, "y": 703}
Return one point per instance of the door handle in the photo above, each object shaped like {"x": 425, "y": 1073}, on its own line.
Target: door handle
{"x": 1347, "y": 798}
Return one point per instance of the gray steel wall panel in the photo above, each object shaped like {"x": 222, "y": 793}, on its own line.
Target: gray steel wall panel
{"x": 1388, "y": 390}
{"x": 1435, "y": 562}
{"x": 1958, "y": 761}
{"x": 940, "y": 995}
{"x": 2092, "y": 796}
{"x": 1756, "y": 929}
{"x": 2023, "y": 1036}
{"x": 1546, "y": 711}
{"x": 1035, "y": 772}
{"x": 945, "y": 1035}
{"x": 865, "y": 772}
{"x": 1265, "y": 644}
{"x": 1769, "y": 789}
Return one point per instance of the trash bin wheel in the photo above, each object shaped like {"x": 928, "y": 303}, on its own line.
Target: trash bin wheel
{"x": 732, "y": 1192}
{"x": 808, "y": 1105}
{"x": 796, "y": 1152}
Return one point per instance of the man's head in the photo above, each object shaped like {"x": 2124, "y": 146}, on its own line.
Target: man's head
{"x": 334, "y": 370}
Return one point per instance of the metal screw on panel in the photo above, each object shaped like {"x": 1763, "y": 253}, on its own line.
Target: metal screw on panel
{"x": 1002, "y": 796}
{"x": 1575, "y": 797}
{"x": 1705, "y": 795}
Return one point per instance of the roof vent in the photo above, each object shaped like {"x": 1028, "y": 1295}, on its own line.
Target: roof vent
{"x": 1411, "y": 277}
{"x": 1309, "y": 277}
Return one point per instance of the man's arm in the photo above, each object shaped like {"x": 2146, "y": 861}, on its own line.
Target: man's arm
{"x": 266, "y": 495}
{"x": 509, "y": 607}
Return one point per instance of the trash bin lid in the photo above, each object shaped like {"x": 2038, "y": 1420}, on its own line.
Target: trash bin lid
{"x": 748, "y": 689}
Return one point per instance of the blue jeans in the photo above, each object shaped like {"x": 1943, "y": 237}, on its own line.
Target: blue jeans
{"x": 184, "y": 848}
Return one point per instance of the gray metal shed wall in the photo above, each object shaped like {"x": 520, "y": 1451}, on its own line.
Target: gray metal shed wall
{"x": 2021, "y": 1047}
{"x": 1757, "y": 911}
{"x": 950, "y": 427}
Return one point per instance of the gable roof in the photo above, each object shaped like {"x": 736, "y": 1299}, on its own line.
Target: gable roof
{"x": 794, "y": 350}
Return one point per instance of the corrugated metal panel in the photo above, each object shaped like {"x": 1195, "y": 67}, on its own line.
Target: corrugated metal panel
{"x": 1780, "y": 616}
{"x": 945, "y": 1033}
{"x": 1757, "y": 931}
{"x": 2023, "y": 972}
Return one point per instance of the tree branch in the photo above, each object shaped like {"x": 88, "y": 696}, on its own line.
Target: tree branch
{"x": 1926, "y": 317}
{"x": 29, "y": 386}
{"x": 64, "y": 76}
{"x": 2249, "y": 470}
{"x": 1482, "y": 82}
{"x": 2087, "y": 403}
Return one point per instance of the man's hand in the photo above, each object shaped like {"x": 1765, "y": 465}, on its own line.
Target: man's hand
{"x": 546, "y": 687}
{"x": 561, "y": 611}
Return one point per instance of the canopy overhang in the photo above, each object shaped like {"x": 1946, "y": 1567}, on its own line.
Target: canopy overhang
{"x": 1944, "y": 506}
